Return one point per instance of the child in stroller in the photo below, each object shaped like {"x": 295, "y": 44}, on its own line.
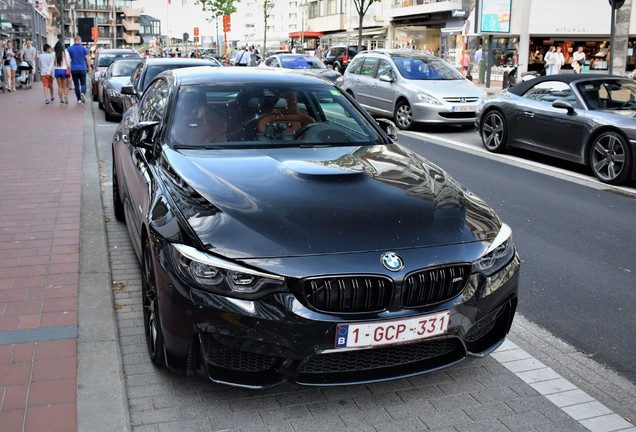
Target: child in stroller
{"x": 25, "y": 72}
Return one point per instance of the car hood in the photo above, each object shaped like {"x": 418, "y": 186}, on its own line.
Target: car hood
{"x": 118, "y": 82}
{"x": 446, "y": 88}
{"x": 307, "y": 201}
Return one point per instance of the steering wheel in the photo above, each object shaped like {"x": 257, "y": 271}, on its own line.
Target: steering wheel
{"x": 303, "y": 129}
{"x": 323, "y": 133}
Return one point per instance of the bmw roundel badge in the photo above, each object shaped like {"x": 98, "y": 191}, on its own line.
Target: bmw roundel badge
{"x": 392, "y": 262}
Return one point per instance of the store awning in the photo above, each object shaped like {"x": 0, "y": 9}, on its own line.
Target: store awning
{"x": 305, "y": 34}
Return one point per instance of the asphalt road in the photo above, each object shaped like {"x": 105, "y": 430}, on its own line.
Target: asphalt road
{"x": 575, "y": 236}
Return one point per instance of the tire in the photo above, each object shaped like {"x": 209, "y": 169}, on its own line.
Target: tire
{"x": 150, "y": 302}
{"x": 100, "y": 105}
{"x": 403, "y": 115}
{"x": 118, "y": 205}
{"x": 493, "y": 131}
{"x": 94, "y": 92}
{"x": 610, "y": 158}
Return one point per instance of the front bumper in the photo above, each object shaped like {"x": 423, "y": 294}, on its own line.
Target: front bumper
{"x": 259, "y": 344}
{"x": 444, "y": 114}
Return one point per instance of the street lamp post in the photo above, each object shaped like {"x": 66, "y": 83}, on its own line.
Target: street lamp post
{"x": 303, "y": 6}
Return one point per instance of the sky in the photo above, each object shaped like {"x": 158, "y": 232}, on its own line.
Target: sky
{"x": 178, "y": 17}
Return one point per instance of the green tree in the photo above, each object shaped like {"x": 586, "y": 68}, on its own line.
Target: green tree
{"x": 362, "y": 7}
{"x": 217, "y": 8}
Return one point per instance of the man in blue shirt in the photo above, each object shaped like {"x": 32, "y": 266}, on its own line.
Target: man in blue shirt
{"x": 79, "y": 66}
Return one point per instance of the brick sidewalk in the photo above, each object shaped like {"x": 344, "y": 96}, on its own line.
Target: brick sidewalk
{"x": 41, "y": 178}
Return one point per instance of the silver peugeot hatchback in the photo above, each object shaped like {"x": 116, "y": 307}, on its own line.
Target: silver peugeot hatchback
{"x": 411, "y": 87}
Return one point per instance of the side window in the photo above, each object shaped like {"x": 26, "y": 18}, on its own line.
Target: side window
{"x": 137, "y": 75}
{"x": 152, "y": 106}
{"x": 369, "y": 66}
{"x": 355, "y": 66}
{"x": 385, "y": 68}
{"x": 550, "y": 91}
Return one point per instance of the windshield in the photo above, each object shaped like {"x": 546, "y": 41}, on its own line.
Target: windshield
{"x": 155, "y": 70}
{"x": 425, "y": 68}
{"x": 124, "y": 68}
{"x": 616, "y": 94}
{"x": 256, "y": 115}
{"x": 105, "y": 60}
{"x": 302, "y": 63}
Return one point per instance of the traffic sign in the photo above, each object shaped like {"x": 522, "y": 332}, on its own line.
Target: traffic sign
{"x": 226, "y": 23}
{"x": 186, "y": 36}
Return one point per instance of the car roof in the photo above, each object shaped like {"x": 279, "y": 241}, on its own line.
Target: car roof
{"x": 397, "y": 52}
{"x": 264, "y": 76}
{"x": 523, "y": 86}
{"x": 116, "y": 51}
{"x": 180, "y": 60}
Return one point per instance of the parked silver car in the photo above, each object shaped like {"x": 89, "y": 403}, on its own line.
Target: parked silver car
{"x": 411, "y": 87}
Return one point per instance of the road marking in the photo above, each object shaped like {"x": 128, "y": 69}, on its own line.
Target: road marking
{"x": 559, "y": 173}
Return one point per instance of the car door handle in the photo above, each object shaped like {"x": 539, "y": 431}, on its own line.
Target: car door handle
{"x": 528, "y": 113}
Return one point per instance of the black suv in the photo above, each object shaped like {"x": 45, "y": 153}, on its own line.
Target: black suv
{"x": 339, "y": 56}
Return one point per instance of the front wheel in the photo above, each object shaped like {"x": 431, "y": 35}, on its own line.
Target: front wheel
{"x": 493, "y": 131}
{"x": 149, "y": 299}
{"x": 610, "y": 158}
{"x": 403, "y": 115}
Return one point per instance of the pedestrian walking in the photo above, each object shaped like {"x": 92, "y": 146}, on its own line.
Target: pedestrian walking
{"x": 550, "y": 60}
{"x": 578, "y": 60}
{"x": 10, "y": 66}
{"x": 79, "y": 65}
{"x": 45, "y": 60}
{"x": 465, "y": 63}
{"x": 61, "y": 62}
{"x": 478, "y": 55}
{"x": 29, "y": 54}
{"x": 242, "y": 57}
{"x": 560, "y": 60}
{"x": 319, "y": 52}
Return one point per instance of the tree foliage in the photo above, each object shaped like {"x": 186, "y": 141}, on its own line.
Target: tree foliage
{"x": 362, "y": 7}
{"x": 217, "y": 8}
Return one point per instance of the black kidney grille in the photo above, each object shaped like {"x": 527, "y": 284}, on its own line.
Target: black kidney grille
{"x": 348, "y": 294}
{"x": 434, "y": 285}
{"x": 378, "y": 358}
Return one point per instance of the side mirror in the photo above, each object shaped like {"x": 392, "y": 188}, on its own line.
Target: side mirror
{"x": 140, "y": 135}
{"x": 103, "y": 74}
{"x": 385, "y": 78}
{"x": 128, "y": 90}
{"x": 389, "y": 128}
{"x": 560, "y": 103}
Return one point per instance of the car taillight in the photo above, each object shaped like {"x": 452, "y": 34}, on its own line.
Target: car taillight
{"x": 345, "y": 59}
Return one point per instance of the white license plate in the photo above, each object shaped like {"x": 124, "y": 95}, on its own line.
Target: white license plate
{"x": 466, "y": 108}
{"x": 391, "y": 332}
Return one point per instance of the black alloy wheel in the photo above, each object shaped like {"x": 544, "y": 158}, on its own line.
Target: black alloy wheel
{"x": 610, "y": 158}
{"x": 152, "y": 326}
{"x": 403, "y": 115}
{"x": 493, "y": 131}
{"x": 118, "y": 205}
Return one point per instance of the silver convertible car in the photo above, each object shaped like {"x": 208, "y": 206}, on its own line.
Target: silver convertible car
{"x": 588, "y": 119}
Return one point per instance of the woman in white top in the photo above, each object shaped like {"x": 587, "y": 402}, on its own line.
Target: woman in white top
{"x": 61, "y": 62}
{"x": 560, "y": 61}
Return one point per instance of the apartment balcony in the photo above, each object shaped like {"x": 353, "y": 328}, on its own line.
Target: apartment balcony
{"x": 130, "y": 39}
{"x": 420, "y": 7}
{"x": 131, "y": 12}
{"x": 130, "y": 26}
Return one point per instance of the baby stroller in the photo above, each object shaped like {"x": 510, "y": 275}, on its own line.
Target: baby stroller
{"x": 24, "y": 75}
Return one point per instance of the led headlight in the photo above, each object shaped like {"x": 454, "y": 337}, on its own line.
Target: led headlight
{"x": 223, "y": 277}
{"x": 498, "y": 254}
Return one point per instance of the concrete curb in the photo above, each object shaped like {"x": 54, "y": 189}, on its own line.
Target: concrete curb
{"x": 101, "y": 392}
